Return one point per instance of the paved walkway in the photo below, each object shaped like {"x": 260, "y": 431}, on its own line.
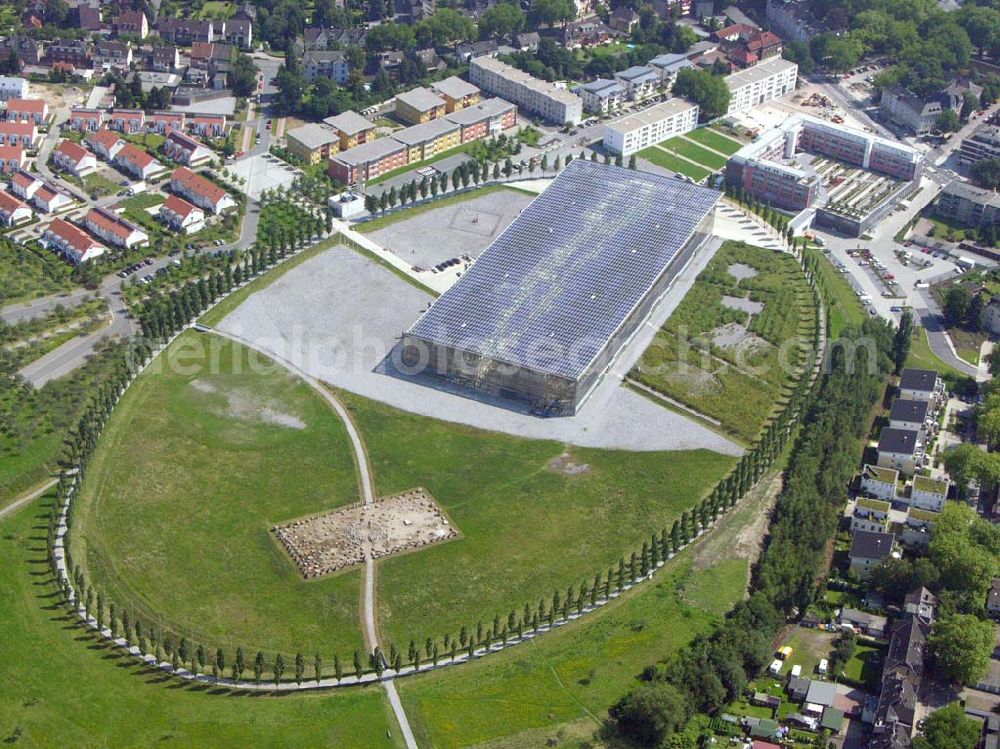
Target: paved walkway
{"x": 20, "y": 502}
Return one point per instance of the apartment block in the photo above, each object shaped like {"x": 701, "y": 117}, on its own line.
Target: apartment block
{"x": 634, "y": 132}
{"x": 762, "y": 83}
{"x": 368, "y": 160}
{"x": 419, "y": 105}
{"x": 531, "y": 95}
{"x": 428, "y": 139}
{"x": 486, "y": 119}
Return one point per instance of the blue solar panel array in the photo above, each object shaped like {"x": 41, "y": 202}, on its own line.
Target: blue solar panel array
{"x": 553, "y": 288}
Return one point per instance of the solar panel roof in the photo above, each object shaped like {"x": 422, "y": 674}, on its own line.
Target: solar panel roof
{"x": 550, "y": 291}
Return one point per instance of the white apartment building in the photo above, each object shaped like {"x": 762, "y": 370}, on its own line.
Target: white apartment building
{"x": 602, "y": 96}
{"x": 632, "y": 133}
{"x": 763, "y": 82}
{"x": 12, "y": 88}
{"x": 547, "y": 100}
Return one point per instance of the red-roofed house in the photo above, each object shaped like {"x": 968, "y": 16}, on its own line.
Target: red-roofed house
{"x": 48, "y": 199}
{"x": 74, "y": 158}
{"x": 182, "y": 216}
{"x": 186, "y": 150}
{"x": 200, "y": 191}
{"x": 133, "y": 160}
{"x": 113, "y": 228}
{"x": 24, "y": 184}
{"x": 72, "y": 242}
{"x": 11, "y": 158}
{"x": 746, "y": 45}
{"x": 132, "y": 22}
{"x": 26, "y": 110}
{"x": 126, "y": 120}
{"x": 22, "y": 134}
{"x": 105, "y": 144}
{"x": 12, "y": 210}
{"x": 84, "y": 119}
{"x": 163, "y": 122}
{"x": 212, "y": 126}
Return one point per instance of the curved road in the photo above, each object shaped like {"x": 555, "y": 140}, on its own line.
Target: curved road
{"x": 940, "y": 343}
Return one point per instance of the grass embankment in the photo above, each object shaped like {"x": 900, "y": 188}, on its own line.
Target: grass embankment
{"x": 197, "y": 463}
{"x": 843, "y": 308}
{"x": 738, "y": 382}
{"x": 527, "y": 527}
{"x": 60, "y": 686}
{"x": 382, "y": 221}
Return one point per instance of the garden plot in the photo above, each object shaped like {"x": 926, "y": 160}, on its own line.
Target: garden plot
{"x": 324, "y": 544}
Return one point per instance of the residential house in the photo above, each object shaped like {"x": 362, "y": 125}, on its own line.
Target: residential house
{"x": 72, "y": 242}
{"x": 201, "y": 191}
{"x": 29, "y": 51}
{"x": 312, "y": 142}
{"x": 13, "y": 88}
{"x": 900, "y": 450}
{"x": 164, "y": 122}
{"x": 916, "y": 529}
{"x": 667, "y": 66}
{"x": 27, "y": 110}
{"x": 165, "y": 59}
{"x": 84, "y": 119}
{"x": 239, "y": 32}
{"x": 821, "y": 693}
{"x": 111, "y": 54}
{"x": 24, "y": 134}
{"x": 207, "y": 125}
{"x": 471, "y": 50}
{"x": 114, "y": 229}
{"x": 922, "y": 604}
{"x": 326, "y": 64}
{"x": 136, "y": 162}
{"x": 879, "y": 482}
{"x": 69, "y": 52}
{"x": 181, "y": 216}
{"x": 88, "y": 17}
{"x": 919, "y": 384}
{"x": 761, "y": 83}
{"x": 352, "y": 127}
{"x": 553, "y": 103}
{"x": 12, "y": 210}
{"x": 871, "y": 515}
{"x": 993, "y": 599}
{"x": 430, "y": 60}
{"x": 624, "y": 19}
{"x": 584, "y": 33}
{"x": 487, "y": 119}
{"x": 602, "y": 96}
{"x": 24, "y": 184}
{"x": 746, "y": 45}
{"x": 127, "y": 120}
{"x": 74, "y": 158}
{"x": 186, "y": 150}
{"x": 105, "y": 144}
{"x": 12, "y": 158}
{"x": 49, "y": 199}
{"x": 327, "y": 38}
{"x": 798, "y": 688}
{"x": 872, "y": 625}
{"x": 419, "y": 105}
{"x": 527, "y": 41}
{"x": 928, "y": 493}
{"x": 457, "y": 94}
{"x": 186, "y": 31}
{"x": 909, "y": 414}
{"x": 869, "y": 549}
{"x": 634, "y": 132}
{"x": 902, "y": 672}
{"x": 131, "y": 22}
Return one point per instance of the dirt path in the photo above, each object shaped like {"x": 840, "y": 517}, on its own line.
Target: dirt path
{"x": 17, "y": 504}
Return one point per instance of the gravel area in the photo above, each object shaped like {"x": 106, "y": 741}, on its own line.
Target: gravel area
{"x": 337, "y": 316}
{"x": 742, "y": 303}
{"x": 463, "y": 228}
{"x": 739, "y": 271}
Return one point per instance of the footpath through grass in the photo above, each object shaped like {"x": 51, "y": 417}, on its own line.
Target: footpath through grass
{"x": 658, "y": 156}
{"x": 715, "y": 140}
{"x": 59, "y": 686}
{"x": 196, "y": 464}
{"x": 527, "y": 526}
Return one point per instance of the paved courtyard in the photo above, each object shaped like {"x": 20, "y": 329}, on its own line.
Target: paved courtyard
{"x": 338, "y": 316}
{"x": 263, "y": 172}
{"x": 463, "y": 228}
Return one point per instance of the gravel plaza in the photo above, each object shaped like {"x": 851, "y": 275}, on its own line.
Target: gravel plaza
{"x": 462, "y": 228}
{"x": 338, "y": 316}
{"x": 263, "y": 172}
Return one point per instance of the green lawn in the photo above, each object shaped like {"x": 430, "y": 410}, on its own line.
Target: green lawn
{"x": 865, "y": 668}
{"x": 843, "y": 308}
{"x": 716, "y": 140}
{"x": 695, "y": 153}
{"x": 97, "y": 184}
{"x": 216, "y": 9}
{"x": 668, "y": 161}
{"x": 60, "y": 687}
{"x": 174, "y": 519}
{"x": 715, "y": 588}
{"x": 526, "y": 529}
{"x": 738, "y": 385}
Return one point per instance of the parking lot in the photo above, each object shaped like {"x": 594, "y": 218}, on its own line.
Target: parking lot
{"x": 262, "y": 172}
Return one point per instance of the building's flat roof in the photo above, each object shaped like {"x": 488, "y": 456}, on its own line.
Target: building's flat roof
{"x": 602, "y": 86}
{"x": 902, "y": 441}
{"x": 425, "y": 131}
{"x": 921, "y": 380}
{"x": 878, "y": 473}
{"x": 370, "y": 151}
{"x": 906, "y": 410}
{"x": 478, "y": 112}
{"x": 349, "y": 122}
{"x": 455, "y": 88}
{"x": 759, "y": 72}
{"x": 313, "y": 135}
{"x": 550, "y": 291}
{"x": 878, "y": 505}
{"x": 651, "y": 115}
{"x": 637, "y": 73}
{"x": 934, "y": 486}
{"x": 420, "y": 98}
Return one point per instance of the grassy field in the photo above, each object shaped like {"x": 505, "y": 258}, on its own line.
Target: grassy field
{"x": 715, "y": 140}
{"x": 60, "y": 687}
{"x": 97, "y": 184}
{"x": 668, "y": 161}
{"x": 865, "y": 668}
{"x": 527, "y": 528}
{"x": 215, "y": 315}
{"x": 739, "y": 384}
{"x": 188, "y": 478}
{"x": 843, "y": 308}
{"x": 26, "y": 273}
{"x": 695, "y": 152}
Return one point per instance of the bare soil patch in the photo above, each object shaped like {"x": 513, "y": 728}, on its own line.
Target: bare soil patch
{"x": 567, "y": 466}
{"x": 742, "y": 303}
{"x": 735, "y": 336}
{"x": 246, "y": 406}
{"x": 326, "y": 543}
{"x": 741, "y": 271}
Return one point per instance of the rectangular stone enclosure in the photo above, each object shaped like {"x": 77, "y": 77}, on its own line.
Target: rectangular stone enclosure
{"x": 323, "y": 544}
